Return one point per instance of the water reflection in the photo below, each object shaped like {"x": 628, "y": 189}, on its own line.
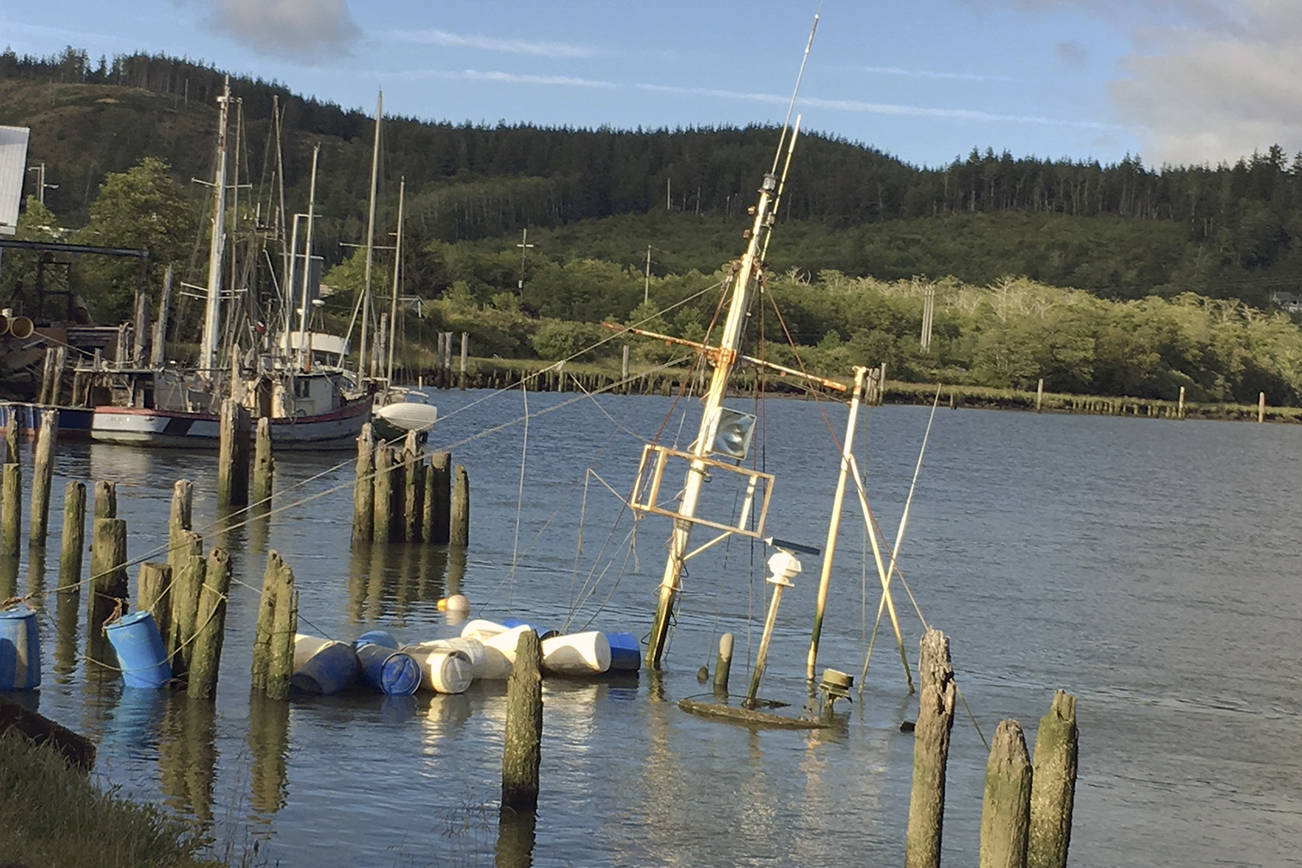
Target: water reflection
{"x": 515, "y": 838}
{"x": 232, "y": 531}
{"x": 398, "y": 709}
{"x": 447, "y": 713}
{"x": 131, "y": 727}
{"x": 8, "y": 576}
{"x": 187, "y": 756}
{"x": 36, "y": 576}
{"x": 67, "y": 607}
{"x": 269, "y": 747}
{"x": 395, "y": 578}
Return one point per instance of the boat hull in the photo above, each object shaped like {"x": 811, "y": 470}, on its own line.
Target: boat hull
{"x": 134, "y": 426}
{"x": 74, "y": 422}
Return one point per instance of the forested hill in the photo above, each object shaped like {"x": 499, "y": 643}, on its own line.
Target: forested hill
{"x": 1120, "y": 230}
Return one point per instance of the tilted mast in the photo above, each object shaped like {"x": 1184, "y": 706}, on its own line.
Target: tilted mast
{"x": 212, "y": 311}
{"x": 724, "y": 359}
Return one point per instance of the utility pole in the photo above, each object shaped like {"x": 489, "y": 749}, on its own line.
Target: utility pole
{"x": 524, "y": 246}
{"x": 41, "y": 186}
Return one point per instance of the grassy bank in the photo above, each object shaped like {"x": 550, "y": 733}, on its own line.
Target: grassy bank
{"x": 55, "y": 816}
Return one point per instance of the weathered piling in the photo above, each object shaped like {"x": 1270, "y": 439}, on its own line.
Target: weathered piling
{"x": 459, "y": 532}
{"x": 382, "y": 530}
{"x": 440, "y": 471}
{"x": 210, "y": 626}
{"x": 47, "y": 374}
{"x": 1005, "y": 812}
{"x": 723, "y": 665}
{"x": 273, "y": 645}
{"x": 13, "y": 439}
{"x": 522, "y": 751}
{"x": 1039, "y": 395}
{"x": 11, "y": 509}
{"x": 106, "y": 499}
{"x": 187, "y": 578}
{"x": 233, "y": 455}
{"x": 1261, "y": 407}
{"x": 108, "y": 581}
{"x": 1053, "y": 785}
{"x": 413, "y": 488}
{"x": 74, "y": 536}
{"x": 264, "y": 464}
{"x": 42, "y": 474}
{"x": 465, "y": 348}
{"x": 1180, "y": 406}
{"x": 930, "y": 751}
{"x": 179, "y": 520}
{"x": 364, "y": 487}
{"x": 154, "y": 592}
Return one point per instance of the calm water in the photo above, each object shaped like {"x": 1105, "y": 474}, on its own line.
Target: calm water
{"x": 1146, "y": 566}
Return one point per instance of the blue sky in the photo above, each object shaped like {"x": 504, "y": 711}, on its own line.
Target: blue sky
{"x": 1174, "y": 81}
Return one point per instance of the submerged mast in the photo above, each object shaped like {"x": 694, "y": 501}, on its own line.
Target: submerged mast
{"x": 370, "y": 240}
{"x": 724, "y": 359}
{"x": 212, "y": 311}
{"x": 393, "y": 302}
{"x": 305, "y": 359}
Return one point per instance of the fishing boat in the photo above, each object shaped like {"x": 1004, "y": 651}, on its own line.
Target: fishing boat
{"x": 310, "y": 405}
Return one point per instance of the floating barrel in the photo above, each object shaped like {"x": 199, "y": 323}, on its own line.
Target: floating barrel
{"x": 499, "y": 653}
{"x": 543, "y": 633}
{"x": 444, "y": 670}
{"x": 480, "y": 629}
{"x": 20, "y": 650}
{"x": 471, "y": 649}
{"x": 21, "y": 327}
{"x": 322, "y": 665}
{"x": 625, "y": 652}
{"x": 140, "y": 651}
{"x": 384, "y": 667}
{"x": 576, "y": 654}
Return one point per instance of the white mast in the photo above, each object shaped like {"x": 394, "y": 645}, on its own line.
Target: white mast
{"x": 724, "y": 359}
{"x": 307, "y": 264}
{"x": 212, "y": 312}
{"x": 393, "y": 302}
{"x": 370, "y": 236}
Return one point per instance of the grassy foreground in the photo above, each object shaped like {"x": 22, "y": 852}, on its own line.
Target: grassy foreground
{"x": 54, "y": 816}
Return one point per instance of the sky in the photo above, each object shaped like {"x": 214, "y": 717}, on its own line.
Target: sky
{"x": 1174, "y": 82}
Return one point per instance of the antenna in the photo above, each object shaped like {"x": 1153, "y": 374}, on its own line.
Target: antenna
{"x": 794, "y": 91}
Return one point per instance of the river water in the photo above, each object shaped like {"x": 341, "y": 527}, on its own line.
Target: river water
{"x": 1146, "y": 566}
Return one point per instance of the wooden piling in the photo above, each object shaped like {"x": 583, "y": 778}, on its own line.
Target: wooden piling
{"x": 188, "y": 568}
{"x": 154, "y": 592}
{"x": 108, "y": 581}
{"x": 56, "y": 382}
{"x": 42, "y": 474}
{"x": 1179, "y": 411}
{"x": 210, "y": 626}
{"x": 723, "y": 664}
{"x": 180, "y": 519}
{"x": 1261, "y": 407}
{"x": 1039, "y": 395}
{"x": 13, "y": 439}
{"x": 273, "y": 644}
{"x": 440, "y": 468}
{"x": 264, "y": 464}
{"x": 427, "y": 504}
{"x": 106, "y": 499}
{"x": 1053, "y": 785}
{"x": 522, "y": 751}
{"x": 1005, "y": 812}
{"x": 11, "y": 509}
{"x": 930, "y": 752}
{"x": 382, "y": 530}
{"x": 413, "y": 487}
{"x": 459, "y": 530}
{"x": 74, "y": 535}
{"x": 233, "y": 456}
{"x": 364, "y": 486}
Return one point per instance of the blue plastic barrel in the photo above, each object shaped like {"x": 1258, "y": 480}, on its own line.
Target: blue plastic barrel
{"x": 542, "y": 632}
{"x": 388, "y": 671}
{"x": 329, "y": 670}
{"x": 139, "y": 647}
{"x": 625, "y": 652}
{"x": 377, "y": 637}
{"x": 20, "y": 650}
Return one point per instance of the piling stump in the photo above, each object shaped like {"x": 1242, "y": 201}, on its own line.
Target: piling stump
{"x": 723, "y": 664}
{"x": 1005, "y": 811}
{"x": 154, "y": 592}
{"x": 264, "y": 464}
{"x": 13, "y": 439}
{"x": 1053, "y": 785}
{"x": 179, "y": 520}
{"x": 522, "y": 751}
{"x": 382, "y": 531}
{"x": 74, "y": 536}
{"x": 188, "y": 576}
{"x": 459, "y": 531}
{"x": 42, "y": 473}
{"x": 273, "y": 644}
{"x": 413, "y": 484}
{"x": 930, "y": 752}
{"x": 106, "y": 499}
{"x": 233, "y": 456}
{"x": 364, "y": 487}
{"x": 108, "y": 583}
{"x": 11, "y": 509}
{"x": 210, "y": 626}
{"x": 440, "y": 468}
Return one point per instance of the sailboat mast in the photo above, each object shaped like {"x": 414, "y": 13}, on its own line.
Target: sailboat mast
{"x": 307, "y": 263}
{"x": 212, "y": 311}
{"x": 393, "y": 302}
{"x": 370, "y": 237}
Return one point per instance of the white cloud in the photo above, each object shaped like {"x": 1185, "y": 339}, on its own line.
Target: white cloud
{"x": 304, "y": 30}
{"x": 554, "y": 50}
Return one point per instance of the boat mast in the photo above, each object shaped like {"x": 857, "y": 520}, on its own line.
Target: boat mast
{"x": 370, "y": 238}
{"x": 393, "y": 302}
{"x": 304, "y": 361}
{"x": 724, "y": 359}
{"x": 212, "y": 311}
